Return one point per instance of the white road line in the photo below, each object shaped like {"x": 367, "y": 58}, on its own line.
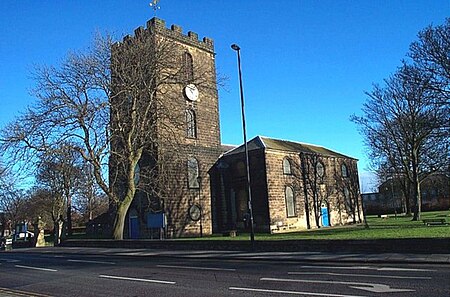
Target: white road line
{"x": 359, "y": 275}
{"x": 338, "y": 267}
{"x": 9, "y": 260}
{"x": 36, "y": 268}
{"x": 11, "y": 292}
{"x": 372, "y": 287}
{"x": 196, "y": 267}
{"x": 137, "y": 279}
{"x": 403, "y": 269}
{"x": 90, "y": 261}
{"x": 368, "y": 268}
{"x": 290, "y": 292}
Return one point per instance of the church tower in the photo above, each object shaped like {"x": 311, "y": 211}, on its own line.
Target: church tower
{"x": 181, "y": 88}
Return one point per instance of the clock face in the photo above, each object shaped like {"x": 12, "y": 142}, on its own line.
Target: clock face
{"x": 191, "y": 92}
{"x": 195, "y": 212}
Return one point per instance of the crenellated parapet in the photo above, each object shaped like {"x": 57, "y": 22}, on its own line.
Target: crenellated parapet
{"x": 175, "y": 32}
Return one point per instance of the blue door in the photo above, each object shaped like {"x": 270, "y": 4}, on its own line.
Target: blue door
{"x": 325, "y": 218}
{"x": 134, "y": 228}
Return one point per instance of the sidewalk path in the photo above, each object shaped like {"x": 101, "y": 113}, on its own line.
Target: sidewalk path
{"x": 249, "y": 256}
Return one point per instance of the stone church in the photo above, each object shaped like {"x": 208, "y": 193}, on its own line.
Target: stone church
{"x": 295, "y": 186}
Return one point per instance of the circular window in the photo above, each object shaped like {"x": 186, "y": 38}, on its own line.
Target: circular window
{"x": 195, "y": 212}
{"x": 320, "y": 169}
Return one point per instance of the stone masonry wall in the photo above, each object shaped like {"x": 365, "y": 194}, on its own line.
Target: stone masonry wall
{"x": 330, "y": 188}
{"x": 205, "y": 147}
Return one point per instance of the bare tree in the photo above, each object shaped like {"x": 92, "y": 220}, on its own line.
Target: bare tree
{"x": 59, "y": 172}
{"x": 313, "y": 175}
{"x": 117, "y": 104}
{"x": 89, "y": 200}
{"x": 404, "y": 128}
{"x": 431, "y": 54}
{"x": 42, "y": 205}
{"x": 12, "y": 202}
{"x": 346, "y": 177}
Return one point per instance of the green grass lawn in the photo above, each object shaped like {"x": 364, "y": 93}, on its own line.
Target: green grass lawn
{"x": 378, "y": 228}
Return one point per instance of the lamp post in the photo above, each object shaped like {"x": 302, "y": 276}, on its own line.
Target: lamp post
{"x": 199, "y": 181}
{"x": 250, "y": 208}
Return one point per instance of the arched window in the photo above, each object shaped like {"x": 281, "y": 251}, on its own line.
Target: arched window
{"x": 320, "y": 169}
{"x": 193, "y": 173}
{"x": 344, "y": 170}
{"x": 287, "y": 166}
{"x": 348, "y": 200}
{"x": 188, "y": 67}
{"x": 191, "y": 124}
{"x": 137, "y": 174}
{"x": 290, "y": 202}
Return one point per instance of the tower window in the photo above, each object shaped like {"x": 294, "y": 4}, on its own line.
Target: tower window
{"x": 287, "y": 166}
{"x": 188, "y": 67}
{"x": 290, "y": 202}
{"x": 193, "y": 172}
{"x": 344, "y": 170}
{"x": 191, "y": 124}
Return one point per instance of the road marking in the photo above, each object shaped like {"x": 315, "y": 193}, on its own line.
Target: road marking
{"x": 36, "y": 268}
{"x": 338, "y": 267}
{"x": 12, "y": 292}
{"x": 137, "y": 279}
{"x": 90, "y": 261}
{"x": 9, "y": 260}
{"x": 403, "y": 269}
{"x": 361, "y": 275}
{"x": 369, "y": 268}
{"x": 196, "y": 267}
{"x": 372, "y": 287}
{"x": 290, "y": 292}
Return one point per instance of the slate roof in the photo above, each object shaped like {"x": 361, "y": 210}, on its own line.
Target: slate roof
{"x": 261, "y": 142}
{"x": 227, "y": 147}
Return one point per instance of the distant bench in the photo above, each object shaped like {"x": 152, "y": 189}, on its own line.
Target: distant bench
{"x": 434, "y": 222}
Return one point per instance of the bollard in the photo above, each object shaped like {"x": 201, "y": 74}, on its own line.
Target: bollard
{"x": 8, "y": 244}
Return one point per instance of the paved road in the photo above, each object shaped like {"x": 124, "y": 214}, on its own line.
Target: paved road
{"x": 71, "y": 274}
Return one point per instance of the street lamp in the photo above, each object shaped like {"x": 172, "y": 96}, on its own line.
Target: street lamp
{"x": 250, "y": 208}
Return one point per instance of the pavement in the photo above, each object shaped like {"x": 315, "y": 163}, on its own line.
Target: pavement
{"x": 341, "y": 257}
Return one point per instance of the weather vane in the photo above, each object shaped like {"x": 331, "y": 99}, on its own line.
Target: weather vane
{"x": 155, "y": 5}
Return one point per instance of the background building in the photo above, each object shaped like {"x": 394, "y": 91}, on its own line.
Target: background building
{"x": 392, "y": 195}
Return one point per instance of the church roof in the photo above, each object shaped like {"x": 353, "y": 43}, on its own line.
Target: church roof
{"x": 227, "y": 147}
{"x": 261, "y": 142}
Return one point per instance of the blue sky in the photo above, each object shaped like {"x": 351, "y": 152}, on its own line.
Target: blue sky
{"x": 306, "y": 64}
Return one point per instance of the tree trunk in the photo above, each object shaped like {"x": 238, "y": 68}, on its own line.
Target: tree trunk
{"x": 418, "y": 202}
{"x": 58, "y": 229}
{"x": 316, "y": 209}
{"x": 358, "y": 209}
{"x": 69, "y": 215}
{"x": 305, "y": 190}
{"x": 119, "y": 220}
{"x": 416, "y": 189}
{"x": 405, "y": 194}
